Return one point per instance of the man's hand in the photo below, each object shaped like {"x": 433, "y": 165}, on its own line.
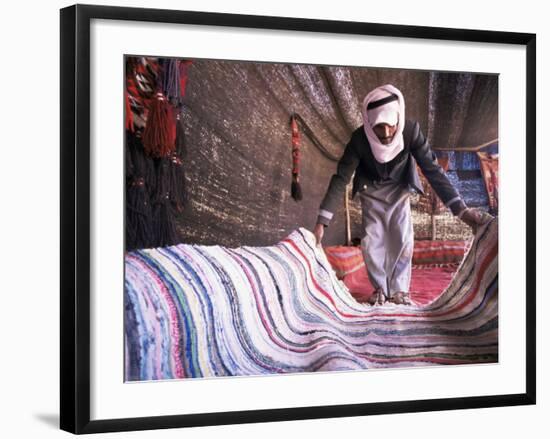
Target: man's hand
{"x": 475, "y": 218}
{"x": 318, "y": 231}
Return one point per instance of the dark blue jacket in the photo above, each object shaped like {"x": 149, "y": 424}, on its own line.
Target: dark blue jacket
{"x": 358, "y": 159}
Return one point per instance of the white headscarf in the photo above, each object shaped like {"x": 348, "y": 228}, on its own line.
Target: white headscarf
{"x": 388, "y": 113}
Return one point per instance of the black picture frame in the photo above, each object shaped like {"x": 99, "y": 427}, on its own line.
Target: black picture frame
{"x": 75, "y": 217}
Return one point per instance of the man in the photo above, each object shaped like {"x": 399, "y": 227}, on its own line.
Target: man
{"x": 383, "y": 153}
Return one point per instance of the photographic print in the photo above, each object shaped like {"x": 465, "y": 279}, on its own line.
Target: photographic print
{"x": 298, "y": 218}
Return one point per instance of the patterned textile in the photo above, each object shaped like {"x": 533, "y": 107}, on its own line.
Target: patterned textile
{"x": 199, "y": 311}
{"x": 439, "y": 252}
{"x": 489, "y": 169}
{"x": 141, "y": 83}
{"x": 430, "y": 202}
{"x": 346, "y": 260}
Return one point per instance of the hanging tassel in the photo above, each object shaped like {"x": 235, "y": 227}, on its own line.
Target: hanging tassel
{"x": 159, "y": 135}
{"x": 130, "y": 227}
{"x": 170, "y": 176}
{"x": 161, "y": 192}
{"x": 161, "y": 164}
{"x": 139, "y": 232}
{"x": 164, "y": 224}
{"x": 171, "y": 80}
{"x": 168, "y": 196}
{"x": 163, "y": 217}
{"x": 129, "y": 163}
{"x": 295, "y": 189}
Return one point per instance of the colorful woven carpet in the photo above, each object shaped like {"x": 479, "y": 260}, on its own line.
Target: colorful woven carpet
{"x": 198, "y": 311}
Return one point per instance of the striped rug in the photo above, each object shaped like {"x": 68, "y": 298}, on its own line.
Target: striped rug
{"x": 203, "y": 311}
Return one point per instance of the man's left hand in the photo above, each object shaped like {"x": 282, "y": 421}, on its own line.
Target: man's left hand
{"x": 475, "y": 218}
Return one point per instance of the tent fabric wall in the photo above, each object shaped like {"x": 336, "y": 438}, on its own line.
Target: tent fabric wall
{"x": 236, "y": 117}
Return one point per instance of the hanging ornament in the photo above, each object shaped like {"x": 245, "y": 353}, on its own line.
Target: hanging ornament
{"x": 159, "y": 134}
{"x": 155, "y": 150}
{"x": 170, "y": 170}
{"x": 164, "y": 225}
{"x": 171, "y": 80}
{"x": 139, "y": 172}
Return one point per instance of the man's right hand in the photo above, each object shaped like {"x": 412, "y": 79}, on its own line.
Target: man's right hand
{"x": 474, "y": 218}
{"x": 318, "y": 231}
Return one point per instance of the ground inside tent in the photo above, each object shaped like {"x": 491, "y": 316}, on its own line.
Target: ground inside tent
{"x": 427, "y": 284}
{"x": 434, "y": 265}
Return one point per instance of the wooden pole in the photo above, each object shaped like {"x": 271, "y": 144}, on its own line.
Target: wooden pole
{"x": 467, "y": 148}
{"x": 348, "y": 222}
{"x": 433, "y": 210}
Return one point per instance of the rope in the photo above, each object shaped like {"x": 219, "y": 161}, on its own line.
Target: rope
{"x": 309, "y": 133}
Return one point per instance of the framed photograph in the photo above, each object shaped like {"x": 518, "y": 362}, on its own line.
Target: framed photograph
{"x": 279, "y": 218}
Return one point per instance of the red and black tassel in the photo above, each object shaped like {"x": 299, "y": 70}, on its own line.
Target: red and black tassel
{"x": 155, "y": 151}
{"x": 159, "y": 135}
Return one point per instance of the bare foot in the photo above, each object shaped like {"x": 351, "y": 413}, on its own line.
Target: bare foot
{"x": 401, "y": 298}
{"x": 378, "y": 297}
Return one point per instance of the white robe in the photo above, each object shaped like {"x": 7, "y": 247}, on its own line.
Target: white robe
{"x": 388, "y": 243}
